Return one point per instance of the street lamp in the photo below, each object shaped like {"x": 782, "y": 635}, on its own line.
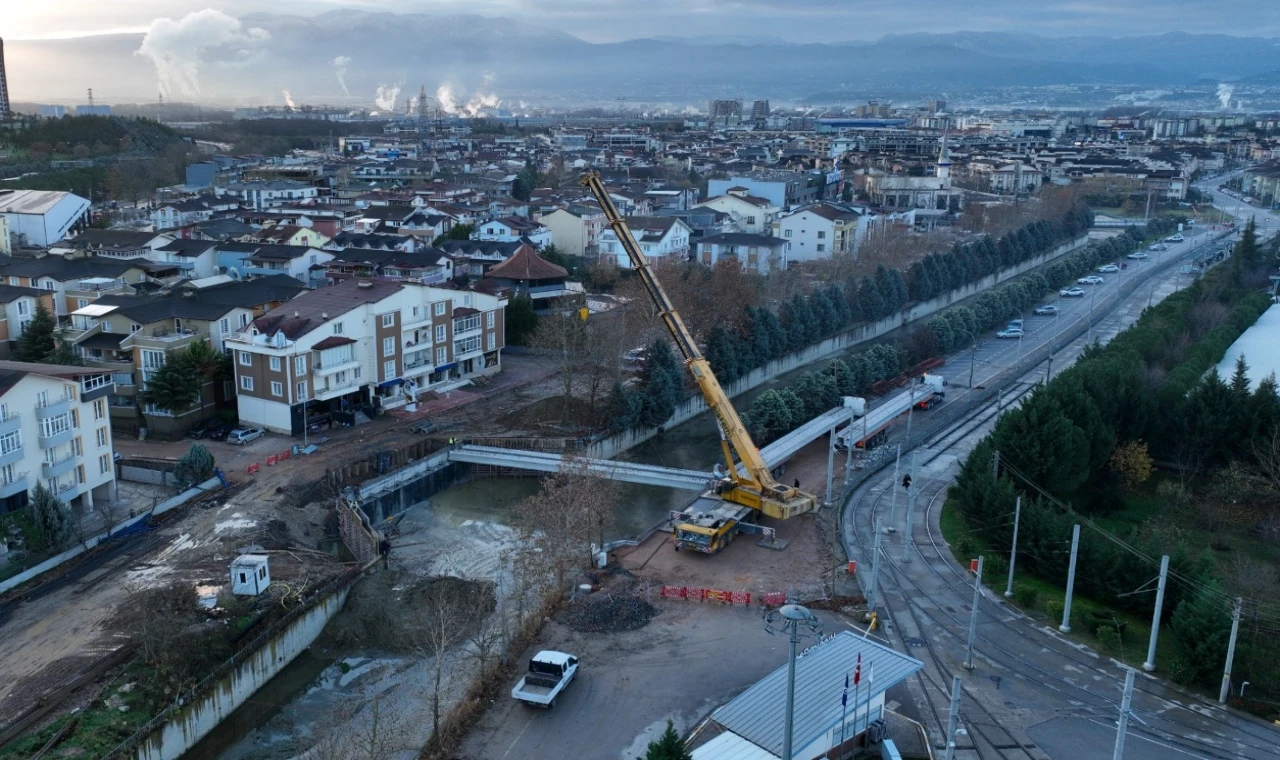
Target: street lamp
{"x": 788, "y": 619}
{"x": 1022, "y": 326}
{"x": 973, "y": 358}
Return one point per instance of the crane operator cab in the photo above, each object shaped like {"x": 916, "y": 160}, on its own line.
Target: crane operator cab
{"x": 709, "y": 525}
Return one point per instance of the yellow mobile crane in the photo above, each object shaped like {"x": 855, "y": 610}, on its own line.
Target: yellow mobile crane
{"x": 711, "y": 528}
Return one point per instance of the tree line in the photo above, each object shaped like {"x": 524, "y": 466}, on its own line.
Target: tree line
{"x": 1083, "y": 440}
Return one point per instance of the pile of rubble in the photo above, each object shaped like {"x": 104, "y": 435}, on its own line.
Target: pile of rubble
{"x": 609, "y": 615}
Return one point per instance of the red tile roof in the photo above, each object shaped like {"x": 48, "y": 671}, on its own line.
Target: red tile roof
{"x": 527, "y": 265}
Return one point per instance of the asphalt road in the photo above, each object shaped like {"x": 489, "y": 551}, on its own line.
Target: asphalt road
{"x": 1032, "y": 692}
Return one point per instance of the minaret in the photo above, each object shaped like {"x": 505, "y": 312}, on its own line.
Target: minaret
{"x": 4, "y": 87}
{"x": 944, "y": 160}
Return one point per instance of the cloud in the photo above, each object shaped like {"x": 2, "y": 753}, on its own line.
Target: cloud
{"x": 340, "y": 64}
{"x": 178, "y": 48}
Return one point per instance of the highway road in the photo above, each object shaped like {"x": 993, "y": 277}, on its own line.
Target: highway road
{"x": 1033, "y": 693}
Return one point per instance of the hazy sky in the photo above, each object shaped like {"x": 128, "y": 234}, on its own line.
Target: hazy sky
{"x": 795, "y": 20}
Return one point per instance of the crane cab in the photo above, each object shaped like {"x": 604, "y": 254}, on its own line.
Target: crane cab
{"x": 709, "y": 525}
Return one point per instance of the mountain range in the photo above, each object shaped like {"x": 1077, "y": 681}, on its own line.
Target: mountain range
{"x": 343, "y": 57}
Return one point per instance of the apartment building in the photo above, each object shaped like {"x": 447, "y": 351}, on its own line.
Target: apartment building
{"x": 819, "y": 232}
{"x": 54, "y": 429}
{"x": 134, "y": 336}
{"x": 362, "y": 346}
{"x": 750, "y": 213}
{"x": 17, "y": 308}
{"x": 76, "y": 281}
{"x": 576, "y": 229}
{"x": 660, "y": 237}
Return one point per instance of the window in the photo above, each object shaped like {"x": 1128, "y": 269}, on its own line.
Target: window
{"x": 77, "y": 449}
{"x": 10, "y": 442}
{"x": 47, "y": 284}
{"x": 493, "y": 342}
{"x": 275, "y": 364}
{"x": 102, "y": 437}
{"x": 488, "y": 319}
{"x": 301, "y": 390}
{"x": 442, "y": 356}
{"x": 821, "y": 234}
{"x": 24, "y": 307}
{"x": 42, "y": 398}
{"x": 225, "y": 325}
{"x": 389, "y": 369}
{"x": 106, "y": 327}
{"x": 337, "y": 328}
{"x": 277, "y": 388}
{"x": 751, "y": 220}
{"x": 416, "y": 311}
{"x": 51, "y": 426}
{"x": 439, "y": 309}
{"x": 821, "y": 248}
{"x": 75, "y": 418}
{"x": 466, "y": 345}
{"x": 13, "y": 281}
{"x": 388, "y": 320}
{"x": 246, "y": 383}
{"x": 300, "y": 365}
{"x": 786, "y": 233}
{"x": 246, "y": 359}
{"x": 389, "y": 346}
{"x": 104, "y": 464}
{"x": 81, "y": 303}
{"x": 134, "y": 328}
{"x": 99, "y": 409}
{"x": 440, "y": 334}
{"x": 244, "y": 320}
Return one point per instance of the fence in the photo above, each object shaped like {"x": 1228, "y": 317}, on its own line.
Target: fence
{"x": 383, "y": 462}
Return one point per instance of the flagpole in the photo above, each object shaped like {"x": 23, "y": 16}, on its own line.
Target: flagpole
{"x": 844, "y": 710}
{"x": 871, "y": 674}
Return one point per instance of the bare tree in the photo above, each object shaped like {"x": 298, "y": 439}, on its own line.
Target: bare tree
{"x": 567, "y": 517}
{"x": 372, "y": 731}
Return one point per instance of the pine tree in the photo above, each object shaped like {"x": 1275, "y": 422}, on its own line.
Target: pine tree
{"x": 873, "y": 303}
{"x": 662, "y": 384}
{"x": 37, "y": 340}
{"x": 64, "y": 353}
{"x": 196, "y": 466}
{"x": 47, "y": 524}
{"x": 625, "y": 405}
{"x": 667, "y": 747}
{"x": 175, "y": 386}
{"x": 520, "y": 320}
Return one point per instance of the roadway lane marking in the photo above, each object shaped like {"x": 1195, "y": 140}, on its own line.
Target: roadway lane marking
{"x": 516, "y": 740}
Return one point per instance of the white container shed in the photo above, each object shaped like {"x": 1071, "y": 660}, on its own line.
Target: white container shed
{"x": 250, "y": 575}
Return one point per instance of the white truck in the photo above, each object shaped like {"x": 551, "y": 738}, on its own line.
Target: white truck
{"x": 549, "y": 673}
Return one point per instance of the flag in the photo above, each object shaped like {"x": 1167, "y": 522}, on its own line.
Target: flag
{"x": 871, "y": 673}
{"x": 857, "y": 670}
{"x": 844, "y": 697}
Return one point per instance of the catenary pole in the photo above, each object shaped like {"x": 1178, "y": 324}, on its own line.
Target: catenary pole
{"x": 893, "y": 495}
{"x": 1231, "y": 651}
{"x": 1013, "y": 548}
{"x": 873, "y": 594}
{"x": 1071, "y": 580}
{"x": 1122, "y": 726}
{"x": 1150, "y": 664}
{"x": 908, "y": 535}
{"x": 973, "y": 616}
{"x": 953, "y": 718}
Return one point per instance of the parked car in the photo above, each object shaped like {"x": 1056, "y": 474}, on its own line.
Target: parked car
{"x": 205, "y": 427}
{"x": 1175, "y": 238}
{"x": 1014, "y": 324}
{"x": 1108, "y": 269}
{"x": 220, "y": 432}
{"x": 1092, "y": 279}
{"x": 1071, "y": 292}
{"x": 1048, "y": 310}
{"x": 549, "y": 673}
{"x": 1010, "y": 332}
{"x": 1139, "y": 255}
{"x": 241, "y": 436}
{"x": 1158, "y": 247}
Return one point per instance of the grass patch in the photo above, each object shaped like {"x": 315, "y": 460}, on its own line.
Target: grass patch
{"x": 1043, "y": 601}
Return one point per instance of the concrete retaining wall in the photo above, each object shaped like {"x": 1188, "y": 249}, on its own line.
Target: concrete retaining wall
{"x": 607, "y": 448}
{"x": 186, "y": 726}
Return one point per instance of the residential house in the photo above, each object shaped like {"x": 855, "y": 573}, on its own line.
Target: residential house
{"x": 576, "y": 228}
{"x": 19, "y": 306}
{"x": 755, "y": 253}
{"x": 365, "y": 344}
{"x": 182, "y": 213}
{"x": 514, "y": 229}
{"x": 118, "y": 244}
{"x": 134, "y": 336}
{"x": 249, "y": 260}
{"x": 76, "y": 281}
{"x": 474, "y": 257}
{"x": 819, "y": 231}
{"x": 54, "y": 429}
{"x": 750, "y": 213}
{"x": 264, "y": 194}
{"x": 196, "y": 258}
{"x": 41, "y": 218}
{"x": 290, "y": 234}
{"x": 660, "y": 238}
{"x": 429, "y": 266}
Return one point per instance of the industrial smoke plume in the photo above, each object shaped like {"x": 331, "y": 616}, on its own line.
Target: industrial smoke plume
{"x": 178, "y": 48}
{"x": 385, "y": 98}
{"x": 340, "y": 64}
{"x": 1225, "y": 91}
{"x": 475, "y": 105}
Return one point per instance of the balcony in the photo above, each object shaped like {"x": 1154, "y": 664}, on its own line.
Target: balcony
{"x": 68, "y": 491}
{"x": 332, "y": 368}
{"x": 333, "y": 391}
{"x": 115, "y": 365}
{"x": 166, "y": 338}
{"x": 95, "y": 386}
{"x": 10, "y": 424}
{"x": 57, "y": 439}
{"x": 13, "y": 487}
{"x": 53, "y": 407}
{"x": 12, "y": 456}
{"x": 59, "y": 467}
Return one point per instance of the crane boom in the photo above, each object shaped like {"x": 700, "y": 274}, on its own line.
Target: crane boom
{"x": 755, "y": 486}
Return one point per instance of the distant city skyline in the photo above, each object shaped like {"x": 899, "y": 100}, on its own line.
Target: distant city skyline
{"x": 790, "y": 20}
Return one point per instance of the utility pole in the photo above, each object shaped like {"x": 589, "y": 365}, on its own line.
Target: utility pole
{"x": 973, "y": 616}
{"x": 953, "y": 718}
{"x": 1013, "y": 549}
{"x": 831, "y": 463}
{"x": 893, "y": 498}
{"x": 908, "y": 536}
{"x": 1150, "y": 664}
{"x": 910, "y": 409}
{"x": 1231, "y": 651}
{"x": 1071, "y": 580}
{"x": 1122, "y": 727}
{"x": 873, "y": 594}
{"x": 995, "y": 465}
